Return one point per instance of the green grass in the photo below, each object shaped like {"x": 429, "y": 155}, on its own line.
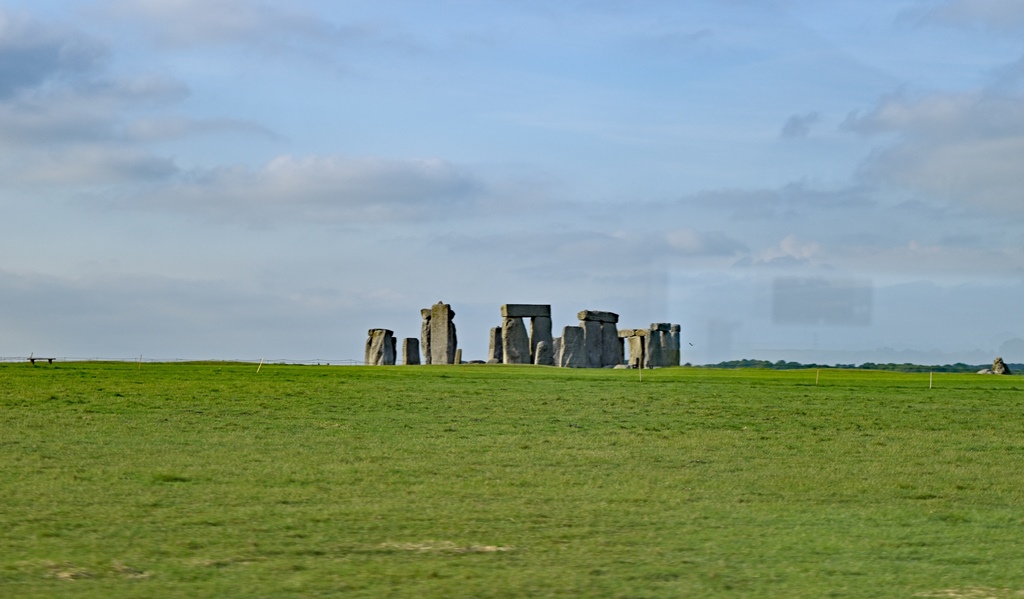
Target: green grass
{"x": 210, "y": 480}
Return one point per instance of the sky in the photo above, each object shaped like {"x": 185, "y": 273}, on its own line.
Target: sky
{"x": 831, "y": 182}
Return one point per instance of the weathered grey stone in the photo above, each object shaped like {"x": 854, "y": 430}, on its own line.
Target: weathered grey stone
{"x": 624, "y": 333}
{"x": 617, "y": 366}
{"x": 594, "y": 342}
{"x": 542, "y": 356}
{"x": 380, "y": 347}
{"x": 636, "y": 351}
{"x": 611, "y": 346}
{"x": 515, "y": 341}
{"x": 574, "y": 348}
{"x": 1000, "y": 367}
{"x": 425, "y": 335}
{"x": 494, "y": 349}
{"x": 443, "y": 340}
{"x": 985, "y": 371}
{"x": 652, "y": 350}
{"x": 525, "y": 310}
{"x": 674, "y": 354}
{"x": 540, "y": 332}
{"x": 556, "y": 349}
{"x": 664, "y": 327}
{"x": 411, "y": 351}
{"x": 596, "y": 316}
{"x": 458, "y": 356}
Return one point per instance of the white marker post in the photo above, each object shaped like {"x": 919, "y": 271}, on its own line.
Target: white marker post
{"x": 260, "y": 366}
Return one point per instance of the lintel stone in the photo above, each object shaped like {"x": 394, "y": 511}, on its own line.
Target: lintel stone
{"x": 594, "y": 315}
{"x": 525, "y": 310}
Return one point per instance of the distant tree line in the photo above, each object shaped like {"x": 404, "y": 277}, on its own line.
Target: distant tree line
{"x": 905, "y": 367}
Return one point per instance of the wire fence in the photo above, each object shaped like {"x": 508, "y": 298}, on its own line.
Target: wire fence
{"x": 309, "y": 362}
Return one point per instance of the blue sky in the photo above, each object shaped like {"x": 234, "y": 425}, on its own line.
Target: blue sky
{"x": 835, "y": 182}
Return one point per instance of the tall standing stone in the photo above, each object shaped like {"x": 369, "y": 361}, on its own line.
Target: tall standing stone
{"x": 593, "y": 341}
{"x": 411, "y": 351}
{"x": 543, "y": 356}
{"x": 574, "y": 348}
{"x": 556, "y": 350}
{"x": 495, "y": 352}
{"x": 515, "y": 341}
{"x": 611, "y": 346}
{"x": 443, "y": 341}
{"x": 675, "y": 334}
{"x": 636, "y": 351}
{"x": 540, "y": 332}
{"x": 425, "y": 335}
{"x": 600, "y": 335}
{"x": 380, "y": 347}
{"x": 652, "y": 349}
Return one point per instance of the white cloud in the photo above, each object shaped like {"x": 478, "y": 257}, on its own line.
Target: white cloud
{"x": 696, "y": 243}
{"x": 321, "y": 189}
{"x": 965, "y": 147}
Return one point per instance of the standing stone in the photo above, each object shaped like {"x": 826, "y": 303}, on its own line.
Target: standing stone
{"x": 636, "y": 351}
{"x": 458, "y": 356}
{"x": 443, "y": 341}
{"x": 594, "y": 342}
{"x": 540, "y": 332}
{"x": 556, "y": 350}
{"x": 411, "y": 351}
{"x": 666, "y": 349}
{"x": 425, "y": 335}
{"x": 543, "y": 355}
{"x": 611, "y": 347}
{"x": 515, "y": 341}
{"x": 574, "y": 348}
{"x": 652, "y": 349}
{"x": 1000, "y": 367}
{"x": 494, "y": 350}
{"x": 380, "y": 347}
{"x": 675, "y": 334}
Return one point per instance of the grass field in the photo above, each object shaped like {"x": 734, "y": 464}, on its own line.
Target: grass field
{"x": 213, "y": 480}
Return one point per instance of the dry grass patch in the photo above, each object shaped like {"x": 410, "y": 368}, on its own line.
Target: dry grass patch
{"x": 442, "y": 547}
{"x": 973, "y": 593}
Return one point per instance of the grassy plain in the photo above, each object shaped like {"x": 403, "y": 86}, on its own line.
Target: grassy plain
{"x": 210, "y": 480}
